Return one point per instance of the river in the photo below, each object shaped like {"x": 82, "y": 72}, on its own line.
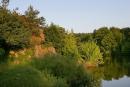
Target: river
{"x": 122, "y": 82}
{"x": 115, "y": 73}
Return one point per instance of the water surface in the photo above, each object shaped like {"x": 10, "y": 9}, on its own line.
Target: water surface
{"x": 122, "y": 82}
{"x": 115, "y": 73}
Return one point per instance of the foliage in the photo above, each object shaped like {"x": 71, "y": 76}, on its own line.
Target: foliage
{"x": 62, "y": 67}
{"x": 55, "y": 35}
{"x": 33, "y": 21}
{"x": 25, "y": 76}
{"x": 126, "y": 32}
{"x": 21, "y": 77}
{"x": 117, "y": 34}
{"x": 32, "y": 15}
{"x": 109, "y": 40}
{"x": 90, "y": 51}
{"x": 70, "y": 46}
{"x": 100, "y": 33}
{"x": 94, "y": 82}
{"x": 84, "y": 37}
{"x": 12, "y": 31}
{"x": 108, "y": 43}
{"x": 16, "y": 30}
{"x": 52, "y": 81}
{"x": 125, "y": 44}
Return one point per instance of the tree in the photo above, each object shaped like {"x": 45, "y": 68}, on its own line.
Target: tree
{"x": 117, "y": 34}
{"x": 109, "y": 40}
{"x": 108, "y": 43}
{"x": 84, "y": 37}
{"x": 100, "y": 33}
{"x": 70, "y": 46}
{"x": 32, "y": 15}
{"x": 89, "y": 51}
{"x": 12, "y": 31}
{"x": 54, "y": 35}
{"x": 126, "y": 32}
{"x": 125, "y": 45}
{"x": 33, "y": 21}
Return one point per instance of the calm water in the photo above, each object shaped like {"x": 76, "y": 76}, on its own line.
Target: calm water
{"x": 115, "y": 73}
{"x": 122, "y": 82}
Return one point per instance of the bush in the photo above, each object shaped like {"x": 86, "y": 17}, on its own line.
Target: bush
{"x": 90, "y": 52}
{"x": 56, "y": 64}
{"x": 22, "y": 76}
{"x": 62, "y": 67}
{"x": 52, "y": 81}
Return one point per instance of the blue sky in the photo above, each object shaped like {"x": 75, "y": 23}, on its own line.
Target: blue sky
{"x": 80, "y": 15}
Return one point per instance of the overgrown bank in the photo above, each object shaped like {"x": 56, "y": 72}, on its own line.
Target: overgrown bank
{"x": 41, "y": 55}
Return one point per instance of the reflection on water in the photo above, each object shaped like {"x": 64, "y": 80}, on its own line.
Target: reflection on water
{"x": 122, "y": 82}
{"x": 115, "y": 73}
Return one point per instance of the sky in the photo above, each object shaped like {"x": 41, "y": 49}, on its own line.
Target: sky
{"x": 80, "y": 15}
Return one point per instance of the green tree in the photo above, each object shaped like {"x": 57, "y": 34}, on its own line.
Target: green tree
{"x": 33, "y": 21}
{"x": 32, "y": 14}
{"x": 100, "y": 33}
{"x": 117, "y": 34}
{"x": 89, "y": 51}
{"x": 70, "y": 46}
{"x": 109, "y": 40}
{"x": 54, "y": 35}
{"x": 108, "y": 43}
{"x": 84, "y": 37}
{"x": 125, "y": 45}
{"x": 12, "y": 31}
{"x": 126, "y": 32}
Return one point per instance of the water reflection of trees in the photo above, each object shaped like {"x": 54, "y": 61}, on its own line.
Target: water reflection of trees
{"x": 112, "y": 70}
{"x": 94, "y": 82}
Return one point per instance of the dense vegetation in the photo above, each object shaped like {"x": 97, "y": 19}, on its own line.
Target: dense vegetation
{"x": 65, "y": 68}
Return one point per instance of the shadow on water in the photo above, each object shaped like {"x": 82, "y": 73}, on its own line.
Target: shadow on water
{"x": 115, "y": 69}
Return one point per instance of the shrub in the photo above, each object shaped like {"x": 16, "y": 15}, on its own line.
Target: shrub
{"x": 53, "y": 81}
{"x": 90, "y": 52}
{"x": 21, "y": 77}
{"x": 62, "y": 67}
